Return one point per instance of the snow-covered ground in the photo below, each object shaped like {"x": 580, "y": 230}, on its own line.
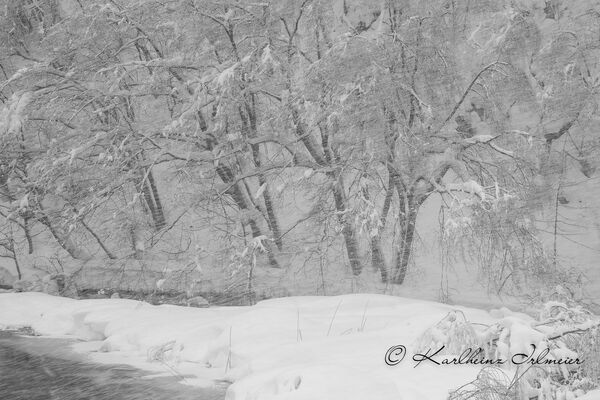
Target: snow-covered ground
{"x": 288, "y": 348}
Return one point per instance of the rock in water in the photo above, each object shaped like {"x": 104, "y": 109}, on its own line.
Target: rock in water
{"x": 197, "y": 301}
{"x": 115, "y": 295}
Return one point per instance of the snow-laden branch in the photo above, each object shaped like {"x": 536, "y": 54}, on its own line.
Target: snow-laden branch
{"x": 469, "y": 187}
{"x": 487, "y": 139}
{"x": 468, "y": 90}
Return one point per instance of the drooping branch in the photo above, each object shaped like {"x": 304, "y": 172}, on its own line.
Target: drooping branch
{"x": 468, "y": 90}
{"x": 98, "y": 240}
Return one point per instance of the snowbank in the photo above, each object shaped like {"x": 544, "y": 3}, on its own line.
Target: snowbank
{"x": 289, "y": 348}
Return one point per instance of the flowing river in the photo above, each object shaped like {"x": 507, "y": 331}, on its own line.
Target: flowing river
{"x": 45, "y": 369}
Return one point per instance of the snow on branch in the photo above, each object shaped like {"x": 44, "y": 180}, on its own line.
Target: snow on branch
{"x": 470, "y": 187}
{"x": 487, "y": 139}
{"x": 468, "y": 90}
{"x": 13, "y": 116}
{"x": 480, "y": 139}
{"x": 226, "y": 75}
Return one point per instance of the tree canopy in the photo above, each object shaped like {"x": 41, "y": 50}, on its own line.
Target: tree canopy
{"x": 293, "y": 132}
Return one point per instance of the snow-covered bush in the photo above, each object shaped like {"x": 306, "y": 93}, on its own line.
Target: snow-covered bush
{"x": 492, "y": 383}
{"x": 588, "y": 346}
{"x": 555, "y": 356}
{"x": 453, "y": 332}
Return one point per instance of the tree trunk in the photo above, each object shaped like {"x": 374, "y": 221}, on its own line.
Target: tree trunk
{"x": 239, "y": 197}
{"x": 28, "y": 235}
{"x": 65, "y": 241}
{"x": 404, "y": 250}
{"x": 249, "y": 125}
{"x": 347, "y": 228}
{"x": 338, "y": 188}
{"x": 377, "y": 259}
{"x": 15, "y": 259}
{"x": 272, "y": 218}
{"x": 152, "y": 200}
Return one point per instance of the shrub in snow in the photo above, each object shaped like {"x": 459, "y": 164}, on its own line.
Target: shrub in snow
{"x": 553, "y": 357}
{"x": 588, "y": 346}
{"x": 563, "y": 331}
{"x": 167, "y": 354}
{"x": 453, "y": 332}
{"x": 492, "y": 383}
{"x": 574, "y": 329}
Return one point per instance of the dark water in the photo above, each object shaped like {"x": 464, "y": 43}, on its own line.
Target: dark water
{"x": 44, "y": 369}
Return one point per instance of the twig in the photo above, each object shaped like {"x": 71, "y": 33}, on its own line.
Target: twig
{"x": 333, "y": 317}
{"x": 466, "y": 92}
